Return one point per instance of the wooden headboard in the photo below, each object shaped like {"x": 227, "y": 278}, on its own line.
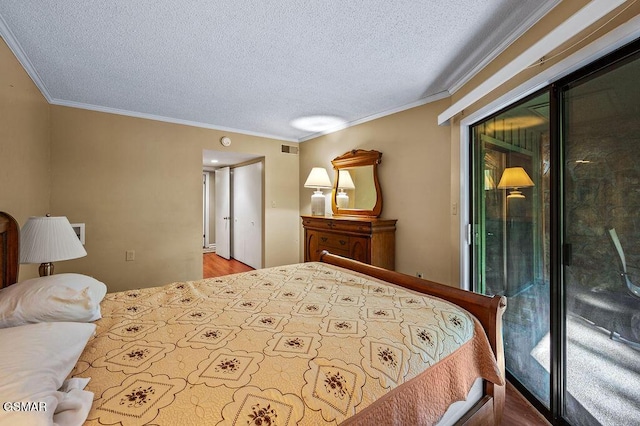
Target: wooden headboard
{"x": 9, "y": 250}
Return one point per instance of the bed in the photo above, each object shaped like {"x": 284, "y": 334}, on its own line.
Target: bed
{"x": 329, "y": 342}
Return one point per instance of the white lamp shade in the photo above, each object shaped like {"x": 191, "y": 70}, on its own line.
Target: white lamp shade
{"x": 515, "y": 177}
{"x": 318, "y": 178}
{"x": 49, "y": 239}
{"x": 345, "y": 181}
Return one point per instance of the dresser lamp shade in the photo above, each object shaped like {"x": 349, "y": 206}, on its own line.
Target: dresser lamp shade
{"x": 318, "y": 178}
{"x": 49, "y": 239}
{"x": 515, "y": 178}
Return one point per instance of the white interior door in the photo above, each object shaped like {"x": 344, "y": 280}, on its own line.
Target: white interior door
{"x": 247, "y": 214}
{"x": 223, "y": 213}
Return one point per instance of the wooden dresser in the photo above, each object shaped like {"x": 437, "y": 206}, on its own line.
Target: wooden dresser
{"x": 367, "y": 239}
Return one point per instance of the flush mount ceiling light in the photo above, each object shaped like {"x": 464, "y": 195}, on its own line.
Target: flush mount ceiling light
{"x": 318, "y": 123}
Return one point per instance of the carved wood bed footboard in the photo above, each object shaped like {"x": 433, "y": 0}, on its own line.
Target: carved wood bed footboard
{"x": 488, "y": 310}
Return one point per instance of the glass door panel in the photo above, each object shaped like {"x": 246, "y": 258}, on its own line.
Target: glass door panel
{"x": 510, "y": 171}
{"x": 601, "y": 117}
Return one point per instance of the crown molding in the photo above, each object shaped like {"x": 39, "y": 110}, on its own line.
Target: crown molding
{"x": 617, "y": 38}
{"x": 515, "y": 34}
{"x": 154, "y": 117}
{"x": 420, "y": 102}
{"x": 579, "y": 21}
{"x": 15, "y": 47}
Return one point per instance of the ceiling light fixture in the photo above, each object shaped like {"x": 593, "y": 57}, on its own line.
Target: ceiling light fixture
{"x": 214, "y": 161}
{"x": 318, "y": 123}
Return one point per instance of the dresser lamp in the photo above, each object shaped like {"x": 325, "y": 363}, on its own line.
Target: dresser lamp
{"x": 49, "y": 239}
{"x": 515, "y": 178}
{"x": 318, "y": 178}
{"x": 344, "y": 182}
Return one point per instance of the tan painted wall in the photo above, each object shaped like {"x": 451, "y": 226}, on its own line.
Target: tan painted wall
{"x": 136, "y": 183}
{"x": 24, "y": 146}
{"x": 414, "y": 178}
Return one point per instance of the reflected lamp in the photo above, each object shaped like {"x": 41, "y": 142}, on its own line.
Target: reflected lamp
{"x": 319, "y": 179}
{"x": 49, "y": 239}
{"x": 515, "y": 178}
{"x": 344, "y": 182}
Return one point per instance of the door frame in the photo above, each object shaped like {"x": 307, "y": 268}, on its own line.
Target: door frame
{"x": 224, "y": 224}
{"x": 206, "y": 209}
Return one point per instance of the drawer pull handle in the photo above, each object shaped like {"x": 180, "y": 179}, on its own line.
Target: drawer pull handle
{"x": 342, "y": 242}
{"x": 324, "y": 239}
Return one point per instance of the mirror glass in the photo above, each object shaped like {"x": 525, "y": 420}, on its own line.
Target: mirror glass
{"x": 356, "y": 188}
{"x": 356, "y": 191}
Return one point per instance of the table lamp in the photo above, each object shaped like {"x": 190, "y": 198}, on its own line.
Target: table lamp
{"x": 49, "y": 239}
{"x": 318, "y": 178}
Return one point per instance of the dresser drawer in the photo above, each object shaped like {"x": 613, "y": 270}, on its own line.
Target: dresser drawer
{"x": 338, "y": 241}
{"x": 337, "y": 225}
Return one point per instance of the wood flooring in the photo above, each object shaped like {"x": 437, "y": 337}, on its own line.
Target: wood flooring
{"x": 517, "y": 411}
{"x": 216, "y": 266}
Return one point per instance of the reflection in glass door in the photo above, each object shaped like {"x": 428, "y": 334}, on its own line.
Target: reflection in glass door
{"x": 511, "y": 217}
{"x": 601, "y": 116}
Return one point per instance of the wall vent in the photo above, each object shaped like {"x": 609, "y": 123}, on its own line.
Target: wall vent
{"x": 290, "y": 149}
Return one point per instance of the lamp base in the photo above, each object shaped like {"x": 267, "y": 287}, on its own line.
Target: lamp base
{"x": 317, "y": 204}
{"x": 46, "y": 269}
{"x": 515, "y": 194}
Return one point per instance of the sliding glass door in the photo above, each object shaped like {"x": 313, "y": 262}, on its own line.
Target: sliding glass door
{"x": 511, "y": 216}
{"x": 556, "y": 221}
{"x": 601, "y": 186}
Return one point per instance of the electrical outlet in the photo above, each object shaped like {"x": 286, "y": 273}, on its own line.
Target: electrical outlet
{"x": 130, "y": 255}
{"x": 419, "y": 274}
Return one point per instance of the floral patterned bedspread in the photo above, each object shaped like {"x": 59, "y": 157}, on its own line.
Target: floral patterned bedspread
{"x": 300, "y": 344}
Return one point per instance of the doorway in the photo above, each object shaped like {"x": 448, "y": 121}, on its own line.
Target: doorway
{"x": 235, "y": 206}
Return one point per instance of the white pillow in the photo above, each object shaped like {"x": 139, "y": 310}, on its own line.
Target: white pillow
{"x": 35, "y": 359}
{"x": 62, "y": 297}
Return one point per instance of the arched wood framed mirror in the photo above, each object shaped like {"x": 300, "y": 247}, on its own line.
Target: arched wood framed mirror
{"x": 356, "y": 191}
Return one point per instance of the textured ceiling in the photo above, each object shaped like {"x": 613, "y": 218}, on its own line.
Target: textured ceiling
{"x": 254, "y": 66}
